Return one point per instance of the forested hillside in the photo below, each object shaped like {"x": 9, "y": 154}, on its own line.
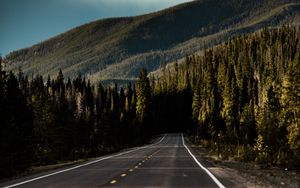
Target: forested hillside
{"x": 244, "y": 96}
{"x": 116, "y": 49}
{"x": 241, "y": 99}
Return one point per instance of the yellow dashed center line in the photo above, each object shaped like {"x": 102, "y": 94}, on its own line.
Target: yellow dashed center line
{"x": 137, "y": 166}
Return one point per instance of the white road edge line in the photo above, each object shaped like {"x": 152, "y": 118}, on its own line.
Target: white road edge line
{"x": 201, "y": 166}
{"x": 82, "y": 165}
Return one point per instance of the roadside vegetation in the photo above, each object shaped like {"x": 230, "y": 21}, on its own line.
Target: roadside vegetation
{"x": 240, "y": 99}
{"x": 55, "y": 121}
{"x": 245, "y": 97}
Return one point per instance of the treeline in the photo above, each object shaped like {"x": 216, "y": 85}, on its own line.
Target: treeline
{"x": 240, "y": 99}
{"x": 245, "y": 96}
{"x": 49, "y": 121}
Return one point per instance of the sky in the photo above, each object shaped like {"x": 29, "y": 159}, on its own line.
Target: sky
{"x": 27, "y": 22}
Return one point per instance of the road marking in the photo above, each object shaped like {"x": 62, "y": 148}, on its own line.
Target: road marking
{"x": 113, "y": 182}
{"x": 82, "y": 165}
{"x": 136, "y": 167}
{"x": 201, "y": 166}
{"x": 123, "y": 175}
{"x": 131, "y": 170}
{"x": 140, "y": 164}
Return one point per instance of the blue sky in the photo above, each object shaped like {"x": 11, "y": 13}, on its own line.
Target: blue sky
{"x": 27, "y": 22}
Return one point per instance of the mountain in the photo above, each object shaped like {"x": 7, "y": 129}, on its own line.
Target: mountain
{"x": 116, "y": 48}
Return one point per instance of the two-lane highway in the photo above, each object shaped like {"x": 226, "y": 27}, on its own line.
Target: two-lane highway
{"x": 167, "y": 163}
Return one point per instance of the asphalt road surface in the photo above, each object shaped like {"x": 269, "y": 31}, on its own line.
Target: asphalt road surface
{"x": 169, "y": 162}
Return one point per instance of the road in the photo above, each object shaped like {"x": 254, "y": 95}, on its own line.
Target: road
{"x": 169, "y": 162}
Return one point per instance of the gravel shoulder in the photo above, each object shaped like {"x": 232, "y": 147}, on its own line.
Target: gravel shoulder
{"x": 250, "y": 174}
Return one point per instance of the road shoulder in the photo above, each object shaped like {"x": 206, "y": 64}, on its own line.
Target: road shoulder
{"x": 243, "y": 174}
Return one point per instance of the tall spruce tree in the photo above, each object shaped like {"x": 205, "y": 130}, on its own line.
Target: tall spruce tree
{"x": 292, "y": 105}
{"x": 143, "y": 95}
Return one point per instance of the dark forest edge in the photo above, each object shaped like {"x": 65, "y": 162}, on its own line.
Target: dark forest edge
{"x": 47, "y": 123}
{"x": 245, "y": 97}
{"x": 240, "y": 99}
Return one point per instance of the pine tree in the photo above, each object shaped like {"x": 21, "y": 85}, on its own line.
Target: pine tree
{"x": 248, "y": 124}
{"x": 89, "y": 98}
{"x": 196, "y": 108}
{"x": 16, "y": 130}
{"x": 143, "y": 95}
{"x": 230, "y": 95}
{"x": 129, "y": 94}
{"x": 196, "y": 105}
{"x": 100, "y": 100}
{"x": 292, "y": 105}
{"x": 44, "y": 122}
{"x": 122, "y": 99}
{"x": 269, "y": 127}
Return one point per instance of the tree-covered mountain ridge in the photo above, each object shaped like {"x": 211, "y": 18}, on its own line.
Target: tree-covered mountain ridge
{"x": 117, "y": 48}
{"x": 245, "y": 96}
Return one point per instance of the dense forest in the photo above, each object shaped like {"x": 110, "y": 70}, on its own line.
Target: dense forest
{"x": 45, "y": 123}
{"x": 240, "y": 99}
{"x": 244, "y": 96}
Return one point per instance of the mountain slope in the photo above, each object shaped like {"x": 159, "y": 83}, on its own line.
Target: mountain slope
{"x": 116, "y": 49}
